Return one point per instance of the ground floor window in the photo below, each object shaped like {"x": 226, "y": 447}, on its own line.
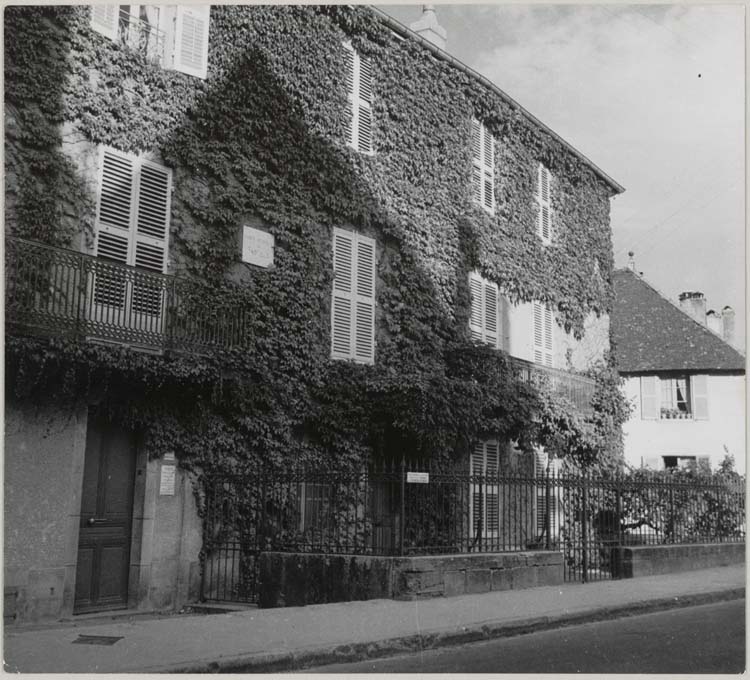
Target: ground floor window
{"x": 685, "y": 462}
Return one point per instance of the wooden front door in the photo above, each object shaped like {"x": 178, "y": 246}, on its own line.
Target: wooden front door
{"x": 106, "y": 518}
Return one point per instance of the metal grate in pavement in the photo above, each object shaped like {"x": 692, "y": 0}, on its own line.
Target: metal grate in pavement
{"x": 96, "y": 640}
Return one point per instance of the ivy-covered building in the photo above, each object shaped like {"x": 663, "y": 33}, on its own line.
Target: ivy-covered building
{"x": 243, "y": 234}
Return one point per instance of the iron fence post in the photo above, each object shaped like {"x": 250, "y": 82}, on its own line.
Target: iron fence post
{"x": 403, "y": 507}
{"x": 547, "y": 513}
{"x": 584, "y": 529}
{"x": 620, "y": 531}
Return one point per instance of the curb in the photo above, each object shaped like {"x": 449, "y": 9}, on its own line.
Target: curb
{"x": 346, "y": 653}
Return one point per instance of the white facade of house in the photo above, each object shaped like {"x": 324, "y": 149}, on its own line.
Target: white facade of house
{"x": 718, "y": 430}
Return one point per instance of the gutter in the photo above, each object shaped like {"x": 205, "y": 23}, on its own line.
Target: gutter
{"x": 399, "y": 28}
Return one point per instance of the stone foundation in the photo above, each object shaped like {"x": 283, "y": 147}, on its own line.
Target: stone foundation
{"x": 295, "y": 579}
{"x": 667, "y": 559}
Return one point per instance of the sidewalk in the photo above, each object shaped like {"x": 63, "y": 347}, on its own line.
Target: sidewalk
{"x": 284, "y": 639}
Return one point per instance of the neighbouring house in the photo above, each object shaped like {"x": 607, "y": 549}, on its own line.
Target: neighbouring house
{"x": 683, "y": 378}
{"x": 242, "y": 235}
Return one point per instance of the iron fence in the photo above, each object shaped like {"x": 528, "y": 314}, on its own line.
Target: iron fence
{"x": 405, "y": 508}
{"x": 64, "y": 292}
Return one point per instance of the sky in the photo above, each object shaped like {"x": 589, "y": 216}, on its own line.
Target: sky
{"x": 652, "y": 94}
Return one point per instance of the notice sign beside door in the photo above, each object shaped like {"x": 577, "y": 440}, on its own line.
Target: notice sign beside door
{"x": 418, "y": 477}
{"x": 166, "y": 482}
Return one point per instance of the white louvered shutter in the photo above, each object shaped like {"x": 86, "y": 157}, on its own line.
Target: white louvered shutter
{"x": 544, "y": 199}
{"x": 477, "y": 471}
{"x": 541, "y": 460}
{"x": 491, "y": 321}
{"x": 104, "y": 19}
{"x": 483, "y": 170}
{"x": 191, "y": 39}
{"x": 358, "y": 74}
{"x": 543, "y": 335}
{"x": 649, "y": 397}
{"x": 699, "y": 388}
{"x": 364, "y": 324}
{"x": 476, "y": 286}
{"x": 364, "y": 137}
{"x": 342, "y": 305}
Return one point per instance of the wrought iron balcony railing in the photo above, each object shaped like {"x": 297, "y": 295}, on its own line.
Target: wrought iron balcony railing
{"x": 578, "y": 389}
{"x": 54, "y": 291}
{"x": 141, "y": 36}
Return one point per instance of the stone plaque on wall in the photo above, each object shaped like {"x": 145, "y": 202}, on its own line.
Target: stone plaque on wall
{"x": 257, "y": 247}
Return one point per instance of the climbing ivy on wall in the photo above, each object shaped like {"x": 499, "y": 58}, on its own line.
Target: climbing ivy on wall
{"x": 262, "y": 139}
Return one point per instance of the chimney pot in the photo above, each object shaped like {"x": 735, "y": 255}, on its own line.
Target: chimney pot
{"x": 693, "y": 303}
{"x": 727, "y": 321}
{"x": 631, "y": 261}
{"x": 428, "y": 27}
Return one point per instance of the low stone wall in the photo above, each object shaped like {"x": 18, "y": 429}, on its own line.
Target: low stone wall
{"x": 667, "y": 559}
{"x": 294, "y": 579}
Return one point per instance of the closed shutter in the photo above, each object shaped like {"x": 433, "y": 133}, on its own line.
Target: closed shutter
{"x": 353, "y": 304}
{"x": 132, "y": 228}
{"x": 543, "y": 335}
{"x": 191, "y": 39}
{"x": 483, "y": 169}
{"x": 699, "y": 389}
{"x": 485, "y": 489}
{"x": 544, "y": 199}
{"x": 358, "y": 75}
{"x": 104, "y": 19}
{"x": 541, "y": 460}
{"x": 649, "y": 397}
{"x": 476, "y": 286}
{"x": 113, "y": 226}
{"x": 491, "y": 320}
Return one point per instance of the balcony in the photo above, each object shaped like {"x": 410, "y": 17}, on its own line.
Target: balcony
{"x": 141, "y": 36}
{"x": 578, "y": 389}
{"x": 64, "y": 293}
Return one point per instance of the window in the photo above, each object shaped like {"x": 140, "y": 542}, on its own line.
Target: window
{"x": 543, "y": 339}
{"x": 485, "y": 310}
{"x": 132, "y": 228}
{"x": 544, "y": 201}
{"x": 485, "y": 490}
{"x": 483, "y": 170}
{"x": 678, "y": 397}
{"x": 359, "y": 92}
{"x": 702, "y": 463}
{"x": 173, "y": 36}
{"x": 353, "y": 304}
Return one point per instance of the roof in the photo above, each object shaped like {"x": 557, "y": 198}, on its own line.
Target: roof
{"x": 650, "y": 333}
{"x": 399, "y": 28}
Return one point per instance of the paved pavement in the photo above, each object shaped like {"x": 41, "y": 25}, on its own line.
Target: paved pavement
{"x": 295, "y": 637}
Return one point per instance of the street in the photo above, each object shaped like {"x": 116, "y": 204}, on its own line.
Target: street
{"x": 703, "y": 639}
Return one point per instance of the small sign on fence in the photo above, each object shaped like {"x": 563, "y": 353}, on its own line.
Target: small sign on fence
{"x": 418, "y": 477}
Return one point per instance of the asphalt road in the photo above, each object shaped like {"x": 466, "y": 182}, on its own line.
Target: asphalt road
{"x": 704, "y": 639}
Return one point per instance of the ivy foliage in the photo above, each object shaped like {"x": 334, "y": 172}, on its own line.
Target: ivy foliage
{"x": 262, "y": 139}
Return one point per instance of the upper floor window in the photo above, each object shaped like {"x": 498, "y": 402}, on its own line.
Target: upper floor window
{"x": 543, "y": 335}
{"x": 359, "y": 93}
{"x": 673, "y": 397}
{"x": 132, "y": 228}
{"x": 353, "y": 303}
{"x": 173, "y": 36}
{"x": 485, "y": 310}
{"x": 483, "y": 169}
{"x": 544, "y": 202}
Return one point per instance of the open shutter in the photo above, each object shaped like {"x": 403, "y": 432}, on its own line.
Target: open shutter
{"x": 191, "y": 39}
{"x": 548, "y": 342}
{"x": 349, "y": 122}
{"x": 476, "y": 152}
{"x": 477, "y": 471}
{"x": 699, "y": 389}
{"x": 113, "y": 225}
{"x": 104, "y": 19}
{"x": 364, "y": 336}
{"x": 491, "y": 321}
{"x": 649, "y": 397}
{"x": 538, "y": 333}
{"x": 541, "y": 460}
{"x": 544, "y": 218}
{"x": 543, "y": 335}
{"x": 475, "y": 321}
{"x": 364, "y": 137}
{"x": 343, "y": 299}
{"x": 488, "y": 170}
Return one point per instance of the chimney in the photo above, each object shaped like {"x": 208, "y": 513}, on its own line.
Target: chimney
{"x": 428, "y": 27}
{"x": 727, "y": 321}
{"x": 713, "y": 321}
{"x": 631, "y": 261}
{"x": 694, "y": 304}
